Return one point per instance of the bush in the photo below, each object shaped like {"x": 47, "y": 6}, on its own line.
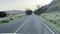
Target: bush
{"x": 57, "y": 15}
{"x": 19, "y": 16}
{"x": 58, "y": 19}
{"x": 5, "y": 21}
{"x": 53, "y": 21}
{"x": 58, "y": 23}
{"x": 3, "y": 14}
{"x": 11, "y": 18}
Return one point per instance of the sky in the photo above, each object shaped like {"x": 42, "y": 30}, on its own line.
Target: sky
{"x": 21, "y": 4}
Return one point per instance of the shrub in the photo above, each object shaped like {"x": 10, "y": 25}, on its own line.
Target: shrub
{"x": 53, "y": 21}
{"x": 11, "y": 18}
{"x": 56, "y": 15}
{"x": 5, "y": 21}
{"x": 19, "y": 16}
{"x": 58, "y": 23}
{"x": 58, "y": 19}
{"x": 3, "y": 14}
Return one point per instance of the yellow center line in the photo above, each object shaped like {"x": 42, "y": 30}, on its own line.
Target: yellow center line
{"x": 21, "y": 26}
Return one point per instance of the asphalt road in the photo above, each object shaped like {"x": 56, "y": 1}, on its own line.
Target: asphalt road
{"x": 28, "y": 25}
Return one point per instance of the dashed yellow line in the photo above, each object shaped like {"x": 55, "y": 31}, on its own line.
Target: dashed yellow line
{"x": 20, "y": 27}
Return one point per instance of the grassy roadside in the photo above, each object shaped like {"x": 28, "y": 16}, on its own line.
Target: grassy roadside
{"x": 9, "y": 19}
{"x": 52, "y": 19}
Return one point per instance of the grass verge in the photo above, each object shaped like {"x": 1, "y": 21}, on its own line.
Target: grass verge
{"x": 52, "y": 21}
{"x": 9, "y": 20}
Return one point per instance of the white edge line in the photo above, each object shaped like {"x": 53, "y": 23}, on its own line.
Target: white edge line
{"x": 48, "y": 28}
{"x": 21, "y": 26}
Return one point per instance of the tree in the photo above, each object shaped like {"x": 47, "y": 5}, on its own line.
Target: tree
{"x": 3, "y": 14}
{"x": 28, "y": 12}
{"x": 40, "y": 10}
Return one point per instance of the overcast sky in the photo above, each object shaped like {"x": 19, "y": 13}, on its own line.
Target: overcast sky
{"x": 21, "y": 4}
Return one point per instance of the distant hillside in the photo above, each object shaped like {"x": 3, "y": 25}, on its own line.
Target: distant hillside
{"x": 15, "y": 12}
{"x": 54, "y": 6}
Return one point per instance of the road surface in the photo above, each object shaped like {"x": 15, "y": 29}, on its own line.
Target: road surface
{"x": 28, "y": 25}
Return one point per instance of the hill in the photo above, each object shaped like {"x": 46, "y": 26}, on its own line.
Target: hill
{"x": 15, "y": 12}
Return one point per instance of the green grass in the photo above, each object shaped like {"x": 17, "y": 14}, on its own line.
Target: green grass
{"x": 53, "y": 20}
{"x": 58, "y": 3}
{"x": 2, "y": 24}
{"x": 10, "y": 19}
